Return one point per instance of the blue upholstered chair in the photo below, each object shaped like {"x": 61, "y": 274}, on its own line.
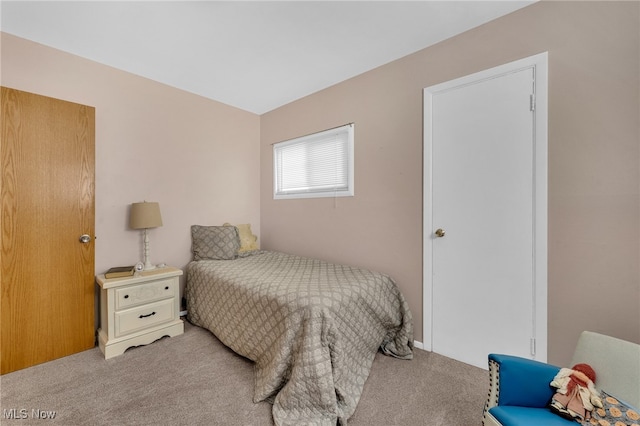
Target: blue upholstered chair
{"x": 519, "y": 391}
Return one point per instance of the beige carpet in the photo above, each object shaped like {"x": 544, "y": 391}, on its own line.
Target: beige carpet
{"x": 193, "y": 379}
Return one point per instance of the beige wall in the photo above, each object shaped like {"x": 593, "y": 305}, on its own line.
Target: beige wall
{"x": 594, "y": 163}
{"x": 198, "y": 158}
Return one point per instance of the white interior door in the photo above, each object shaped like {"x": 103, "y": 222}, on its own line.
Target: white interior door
{"x": 485, "y": 189}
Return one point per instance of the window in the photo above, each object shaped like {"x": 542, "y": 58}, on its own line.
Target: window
{"x": 317, "y": 165}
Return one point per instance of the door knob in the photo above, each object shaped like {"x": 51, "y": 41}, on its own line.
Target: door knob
{"x": 439, "y": 232}
{"x": 85, "y": 238}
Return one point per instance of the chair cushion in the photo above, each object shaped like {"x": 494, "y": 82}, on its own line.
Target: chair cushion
{"x": 615, "y": 412}
{"x": 525, "y": 416}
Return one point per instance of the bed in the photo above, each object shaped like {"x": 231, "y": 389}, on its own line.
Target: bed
{"x": 311, "y": 327}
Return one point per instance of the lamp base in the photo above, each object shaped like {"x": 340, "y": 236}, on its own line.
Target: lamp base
{"x": 147, "y": 263}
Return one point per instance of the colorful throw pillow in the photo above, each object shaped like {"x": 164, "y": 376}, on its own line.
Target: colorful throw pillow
{"x": 214, "y": 242}
{"x": 614, "y": 413}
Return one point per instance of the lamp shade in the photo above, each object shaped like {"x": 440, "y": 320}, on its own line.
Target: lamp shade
{"x": 145, "y": 215}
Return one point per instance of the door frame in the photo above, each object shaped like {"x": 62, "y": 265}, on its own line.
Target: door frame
{"x": 539, "y": 64}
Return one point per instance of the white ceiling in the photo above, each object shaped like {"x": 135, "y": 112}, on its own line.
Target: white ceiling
{"x": 256, "y": 55}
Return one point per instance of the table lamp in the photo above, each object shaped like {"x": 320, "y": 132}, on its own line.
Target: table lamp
{"x": 144, "y": 216}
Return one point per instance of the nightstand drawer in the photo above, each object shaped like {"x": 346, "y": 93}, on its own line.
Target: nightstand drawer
{"x": 143, "y": 317}
{"x": 145, "y": 293}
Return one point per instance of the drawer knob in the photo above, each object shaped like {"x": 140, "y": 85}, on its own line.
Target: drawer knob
{"x": 166, "y": 287}
{"x": 148, "y": 315}
{"x": 126, "y": 296}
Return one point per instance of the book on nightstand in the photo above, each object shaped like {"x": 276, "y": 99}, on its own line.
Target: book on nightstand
{"x": 120, "y": 271}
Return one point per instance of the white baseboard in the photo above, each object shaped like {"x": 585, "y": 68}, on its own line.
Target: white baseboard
{"x": 183, "y": 313}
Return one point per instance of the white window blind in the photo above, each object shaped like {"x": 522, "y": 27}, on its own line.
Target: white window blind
{"x": 317, "y": 165}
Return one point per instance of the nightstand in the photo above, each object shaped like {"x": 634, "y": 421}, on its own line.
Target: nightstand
{"x": 138, "y": 310}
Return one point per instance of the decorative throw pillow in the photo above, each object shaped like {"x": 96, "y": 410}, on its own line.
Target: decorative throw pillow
{"x": 248, "y": 241}
{"x": 614, "y": 413}
{"x": 214, "y": 242}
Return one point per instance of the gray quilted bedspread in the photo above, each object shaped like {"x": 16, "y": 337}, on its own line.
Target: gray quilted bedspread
{"x": 311, "y": 327}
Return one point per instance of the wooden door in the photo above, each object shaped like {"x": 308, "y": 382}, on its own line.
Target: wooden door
{"x": 483, "y": 194}
{"x": 47, "y": 273}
